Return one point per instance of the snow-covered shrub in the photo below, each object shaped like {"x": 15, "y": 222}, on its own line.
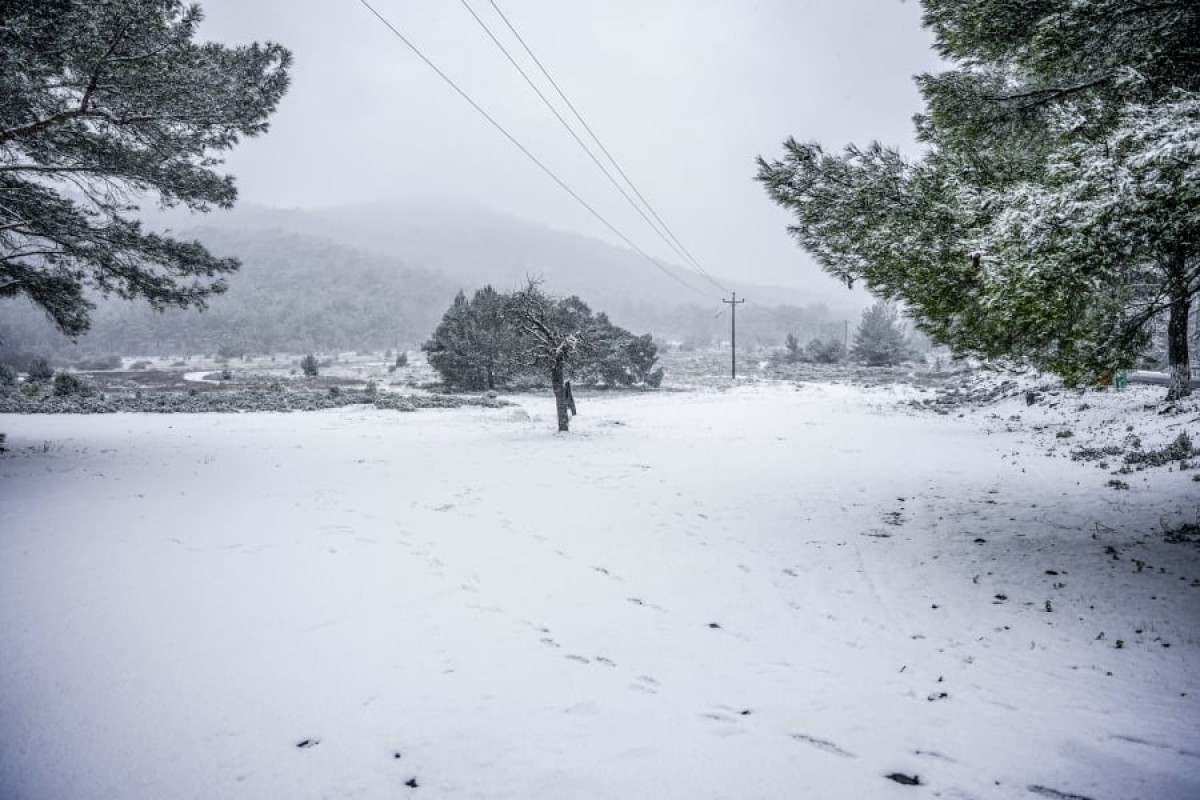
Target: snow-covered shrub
{"x": 309, "y": 366}
{"x": 68, "y": 385}
{"x": 825, "y": 351}
{"x": 39, "y": 370}
{"x": 110, "y": 361}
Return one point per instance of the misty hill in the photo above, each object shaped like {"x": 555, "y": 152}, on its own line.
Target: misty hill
{"x": 293, "y": 293}
{"x": 472, "y": 246}
{"x": 380, "y": 276}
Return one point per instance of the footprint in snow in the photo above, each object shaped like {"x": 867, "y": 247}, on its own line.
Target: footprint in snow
{"x": 727, "y": 714}
{"x": 644, "y": 683}
{"x": 822, "y": 744}
{"x": 637, "y": 601}
{"x": 1159, "y": 745}
{"x": 1046, "y": 791}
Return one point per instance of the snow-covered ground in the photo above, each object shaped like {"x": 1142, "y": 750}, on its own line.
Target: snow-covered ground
{"x": 769, "y": 592}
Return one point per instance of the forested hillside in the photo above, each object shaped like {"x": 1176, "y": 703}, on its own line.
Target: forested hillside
{"x": 293, "y": 293}
{"x": 376, "y": 277}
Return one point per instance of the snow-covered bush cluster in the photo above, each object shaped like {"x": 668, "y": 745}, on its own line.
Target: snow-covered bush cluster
{"x": 269, "y": 398}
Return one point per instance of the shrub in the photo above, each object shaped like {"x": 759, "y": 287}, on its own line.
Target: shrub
{"x": 827, "y": 351}
{"x": 792, "y": 352}
{"x": 110, "y": 361}
{"x": 402, "y": 360}
{"x": 310, "y": 366}
{"x": 1178, "y": 450}
{"x": 68, "y": 385}
{"x": 39, "y": 370}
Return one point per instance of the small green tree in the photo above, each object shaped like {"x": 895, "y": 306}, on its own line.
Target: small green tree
{"x": 615, "y": 356}
{"x": 309, "y": 366}
{"x": 880, "y": 339}
{"x": 792, "y": 352}
{"x": 474, "y": 346}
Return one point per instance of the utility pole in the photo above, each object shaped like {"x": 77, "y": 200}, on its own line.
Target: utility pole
{"x": 733, "y": 304}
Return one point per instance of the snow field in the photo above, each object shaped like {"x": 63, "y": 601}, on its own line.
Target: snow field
{"x": 771, "y": 592}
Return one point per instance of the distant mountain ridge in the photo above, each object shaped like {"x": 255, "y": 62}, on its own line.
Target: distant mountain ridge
{"x": 476, "y": 246}
{"x": 293, "y": 293}
{"x": 379, "y": 276}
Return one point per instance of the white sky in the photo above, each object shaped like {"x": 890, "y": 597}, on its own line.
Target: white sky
{"x": 684, "y": 93}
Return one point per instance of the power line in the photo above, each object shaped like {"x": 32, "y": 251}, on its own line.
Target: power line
{"x": 566, "y": 125}
{"x": 562, "y": 185}
{"x": 678, "y": 246}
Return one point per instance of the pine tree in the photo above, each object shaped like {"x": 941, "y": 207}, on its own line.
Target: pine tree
{"x": 880, "y": 339}
{"x": 310, "y": 366}
{"x": 791, "y": 344}
{"x": 615, "y": 356}
{"x": 474, "y": 347}
{"x": 1054, "y": 216}
{"x": 102, "y": 103}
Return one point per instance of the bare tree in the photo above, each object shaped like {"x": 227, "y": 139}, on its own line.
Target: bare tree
{"x": 553, "y": 334}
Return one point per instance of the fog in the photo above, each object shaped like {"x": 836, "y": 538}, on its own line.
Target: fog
{"x": 684, "y": 94}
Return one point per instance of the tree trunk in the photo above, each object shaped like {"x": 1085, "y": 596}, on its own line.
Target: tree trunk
{"x": 560, "y": 395}
{"x": 1178, "y": 360}
{"x": 570, "y": 398}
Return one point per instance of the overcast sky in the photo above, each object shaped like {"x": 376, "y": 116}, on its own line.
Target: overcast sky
{"x": 685, "y": 93}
